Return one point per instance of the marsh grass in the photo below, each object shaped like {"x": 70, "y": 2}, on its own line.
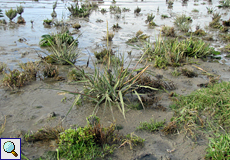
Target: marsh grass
{"x": 79, "y": 11}
{"x": 1, "y": 15}
{"x": 151, "y": 126}
{"x": 115, "y": 9}
{"x": 202, "y": 108}
{"x": 109, "y": 36}
{"x": 14, "y": 79}
{"x": 195, "y": 10}
{"x": 183, "y": 22}
{"x": 210, "y": 10}
{"x": 116, "y": 26}
{"x": 150, "y": 18}
{"x": 219, "y": 147}
{"x": 47, "y": 21}
{"x": 176, "y": 73}
{"x": 132, "y": 140}
{"x": 215, "y": 21}
{"x": 174, "y": 52}
{"x": 224, "y": 4}
{"x": 11, "y": 13}
{"x": 20, "y": 10}
{"x": 74, "y": 75}
{"x": 44, "y": 134}
{"x": 30, "y": 68}
{"x": 50, "y": 70}
{"x": 139, "y": 37}
{"x": 168, "y": 31}
{"x": 2, "y": 67}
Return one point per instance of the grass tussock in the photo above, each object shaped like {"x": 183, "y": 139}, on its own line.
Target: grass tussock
{"x": 215, "y": 23}
{"x": 137, "y": 10}
{"x": 139, "y": 37}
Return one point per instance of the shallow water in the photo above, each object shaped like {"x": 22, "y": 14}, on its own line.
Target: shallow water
{"x": 91, "y": 33}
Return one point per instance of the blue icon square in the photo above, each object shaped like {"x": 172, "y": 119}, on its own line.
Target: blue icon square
{"x": 10, "y": 148}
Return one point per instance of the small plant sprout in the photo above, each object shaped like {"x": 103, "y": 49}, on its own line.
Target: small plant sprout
{"x": 170, "y": 4}
{"x": 20, "y": 10}
{"x": 1, "y": 15}
{"x": 11, "y": 13}
{"x": 210, "y": 10}
{"x": 103, "y": 10}
{"x": 195, "y": 10}
{"x": 150, "y": 18}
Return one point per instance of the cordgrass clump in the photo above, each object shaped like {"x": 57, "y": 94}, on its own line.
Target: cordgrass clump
{"x": 30, "y": 68}
{"x": 79, "y": 11}
{"x": 139, "y": 37}
{"x": 47, "y": 21}
{"x": 74, "y": 75}
{"x": 50, "y": 71}
{"x": 116, "y": 26}
{"x": 11, "y": 13}
{"x": 164, "y": 16}
{"x": 109, "y": 36}
{"x": 2, "y": 67}
{"x": 115, "y": 9}
{"x": 215, "y": 21}
{"x": 189, "y": 73}
{"x": 150, "y": 18}
{"x": 152, "y": 126}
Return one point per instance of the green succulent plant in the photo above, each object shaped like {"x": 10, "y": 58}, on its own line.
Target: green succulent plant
{"x": 20, "y": 10}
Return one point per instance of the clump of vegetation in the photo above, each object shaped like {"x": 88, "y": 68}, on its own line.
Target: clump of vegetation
{"x": 189, "y": 73}
{"x": 224, "y": 4}
{"x": 63, "y": 37}
{"x": 20, "y": 10}
{"x": 226, "y": 49}
{"x": 164, "y": 16}
{"x": 203, "y": 109}
{"x": 74, "y": 75}
{"x": 21, "y": 20}
{"x": 215, "y": 21}
{"x": 226, "y": 23}
{"x": 170, "y": 4}
{"x": 2, "y": 67}
{"x": 132, "y": 140}
{"x": 30, "y": 69}
{"x": 76, "y": 26}
{"x": 47, "y": 21}
{"x": 44, "y": 134}
{"x": 183, "y": 22}
{"x": 150, "y": 18}
{"x": 137, "y": 10}
{"x": 50, "y": 71}
{"x": 104, "y": 54}
{"x": 1, "y": 15}
{"x": 125, "y": 10}
{"x": 109, "y": 36}
{"x": 116, "y": 26}
{"x": 103, "y": 10}
{"x": 152, "y": 126}
{"x": 199, "y": 32}
{"x": 218, "y": 146}
{"x": 14, "y": 79}
{"x": 168, "y": 31}
{"x": 89, "y": 142}
{"x": 225, "y": 37}
{"x": 139, "y": 37}
{"x": 195, "y": 10}
{"x": 78, "y": 11}
{"x": 115, "y": 9}
{"x": 11, "y": 13}
{"x": 209, "y": 10}
{"x": 174, "y": 52}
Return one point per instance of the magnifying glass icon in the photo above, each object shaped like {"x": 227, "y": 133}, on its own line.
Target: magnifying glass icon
{"x": 9, "y": 147}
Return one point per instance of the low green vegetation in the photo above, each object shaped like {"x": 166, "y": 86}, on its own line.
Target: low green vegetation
{"x": 132, "y": 140}
{"x": 115, "y": 9}
{"x": 224, "y": 4}
{"x": 164, "y": 16}
{"x": 152, "y": 126}
{"x": 2, "y": 67}
{"x": 50, "y": 70}
{"x": 11, "y": 13}
{"x": 176, "y": 73}
{"x": 76, "y": 26}
{"x": 74, "y": 75}
{"x": 206, "y": 110}
{"x": 183, "y": 22}
{"x": 30, "y": 69}
{"x": 47, "y": 21}
{"x": 109, "y": 36}
{"x": 1, "y": 15}
{"x": 63, "y": 37}
{"x": 174, "y": 52}
{"x": 210, "y": 10}
{"x": 215, "y": 23}
{"x": 195, "y": 10}
{"x": 139, "y": 37}
{"x": 79, "y": 11}
{"x": 219, "y": 147}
